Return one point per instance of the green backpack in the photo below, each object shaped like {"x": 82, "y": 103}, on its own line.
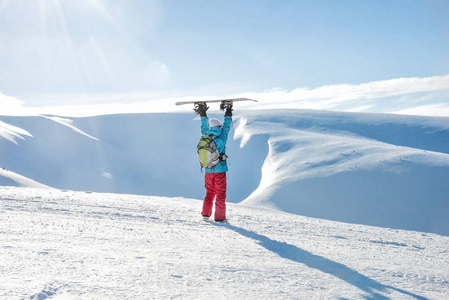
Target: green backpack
{"x": 207, "y": 152}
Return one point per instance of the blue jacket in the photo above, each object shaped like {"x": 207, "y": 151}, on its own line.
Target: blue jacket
{"x": 220, "y": 140}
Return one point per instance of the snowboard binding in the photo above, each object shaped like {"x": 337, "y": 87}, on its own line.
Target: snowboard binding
{"x": 225, "y": 104}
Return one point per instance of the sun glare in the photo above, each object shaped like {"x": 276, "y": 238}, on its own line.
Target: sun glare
{"x": 65, "y": 37}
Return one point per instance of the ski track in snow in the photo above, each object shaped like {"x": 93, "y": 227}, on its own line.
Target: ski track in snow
{"x": 76, "y": 245}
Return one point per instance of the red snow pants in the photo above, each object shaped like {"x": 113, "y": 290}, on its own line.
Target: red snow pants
{"x": 215, "y": 184}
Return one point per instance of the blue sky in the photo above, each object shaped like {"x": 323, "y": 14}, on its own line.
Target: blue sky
{"x": 65, "y": 52}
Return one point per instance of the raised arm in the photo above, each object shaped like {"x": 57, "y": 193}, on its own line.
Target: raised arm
{"x": 200, "y": 109}
{"x": 204, "y": 124}
{"x": 227, "y": 123}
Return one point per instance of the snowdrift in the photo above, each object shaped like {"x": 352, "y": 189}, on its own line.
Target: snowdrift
{"x": 383, "y": 170}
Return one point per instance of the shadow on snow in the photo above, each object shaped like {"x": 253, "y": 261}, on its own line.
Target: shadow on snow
{"x": 323, "y": 264}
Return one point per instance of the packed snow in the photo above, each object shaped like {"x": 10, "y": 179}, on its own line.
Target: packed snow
{"x": 77, "y": 245}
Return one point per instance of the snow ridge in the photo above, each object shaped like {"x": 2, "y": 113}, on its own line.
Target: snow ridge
{"x": 10, "y": 132}
{"x": 22, "y": 180}
{"x": 374, "y": 169}
{"x": 380, "y": 170}
{"x": 69, "y": 123}
{"x": 296, "y": 154}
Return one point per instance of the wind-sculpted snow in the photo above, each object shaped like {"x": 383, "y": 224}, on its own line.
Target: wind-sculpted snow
{"x": 69, "y": 123}
{"x": 77, "y": 245}
{"x": 11, "y": 133}
{"x": 152, "y": 154}
{"x": 9, "y": 178}
{"x": 342, "y": 167}
{"x": 376, "y": 169}
{"x": 298, "y": 152}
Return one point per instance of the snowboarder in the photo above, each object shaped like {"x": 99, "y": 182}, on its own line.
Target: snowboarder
{"x": 215, "y": 178}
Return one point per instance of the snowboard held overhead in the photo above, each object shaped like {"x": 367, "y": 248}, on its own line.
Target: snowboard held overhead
{"x": 216, "y": 100}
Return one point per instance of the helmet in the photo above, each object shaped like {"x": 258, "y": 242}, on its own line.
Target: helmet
{"x": 214, "y": 123}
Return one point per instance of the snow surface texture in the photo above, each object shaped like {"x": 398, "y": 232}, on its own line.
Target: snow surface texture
{"x": 375, "y": 169}
{"x": 76, "y": 245}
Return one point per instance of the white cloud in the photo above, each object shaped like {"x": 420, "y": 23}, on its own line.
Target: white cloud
{"x": 419, "y": 96}
{"x": 370, "y": 96}
{"x": 13, "y": 106}
{"x": 437, "y": 110}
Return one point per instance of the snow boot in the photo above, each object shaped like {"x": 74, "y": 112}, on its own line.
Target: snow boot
{"x": 222, "y": 221}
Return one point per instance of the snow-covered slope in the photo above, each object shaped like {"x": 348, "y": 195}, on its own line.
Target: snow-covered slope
{"x": 382, "y": 170}
{"x": 152, "y": 154}
{"x": 75, "y": 245}
{"x": 375, "y": 169}
{"x": 11, "y": 133}
{"x": 8, "y": 178}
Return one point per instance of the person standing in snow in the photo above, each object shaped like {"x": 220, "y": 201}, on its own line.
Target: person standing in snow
{"x": 215, "y": 178}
